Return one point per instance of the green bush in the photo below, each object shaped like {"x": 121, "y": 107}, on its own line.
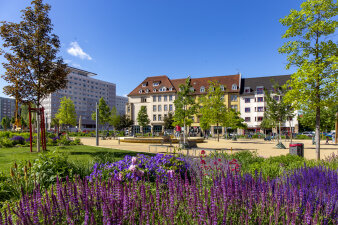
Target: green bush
{"x": 301, "y": 136}
{"x": 64, "y": 141}
{"x": 77, "y": 141}
{"x": 6, "y": 142}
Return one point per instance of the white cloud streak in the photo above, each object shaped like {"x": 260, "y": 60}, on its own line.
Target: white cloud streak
{"x": 76, "y": 50}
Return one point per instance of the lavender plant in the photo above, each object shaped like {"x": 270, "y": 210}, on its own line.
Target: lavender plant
{"x": 307, "y": 196}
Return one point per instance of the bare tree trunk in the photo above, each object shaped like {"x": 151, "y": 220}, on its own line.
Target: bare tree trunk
{"x": 317, "y": 138}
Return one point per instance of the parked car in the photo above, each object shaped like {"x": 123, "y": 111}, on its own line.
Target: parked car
{"x": 308, "y": 133}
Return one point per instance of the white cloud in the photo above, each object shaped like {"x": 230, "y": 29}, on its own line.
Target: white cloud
{"x": 76, "y": 65}
{"x": 76, "y": 50}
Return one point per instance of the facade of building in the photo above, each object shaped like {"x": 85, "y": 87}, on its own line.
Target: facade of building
{"x": 253, "y": 104}
{"x": 159, "y": 92}
{"x": 121, "y": 103}
{"x": 85, "y": 91}
{"x": 7, "y": 107}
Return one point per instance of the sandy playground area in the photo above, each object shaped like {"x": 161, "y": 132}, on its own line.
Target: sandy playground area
{"x": 263, "y": 148}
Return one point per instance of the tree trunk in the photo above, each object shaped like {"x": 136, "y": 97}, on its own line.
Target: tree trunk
{"x": 37, "y": 131}
{"x": 290, "y": 132}
{"x": 217, "y": 132}
{"x": 317, "y": 138}
{"x": 280, "y": 135}
{"x": 184, "y": 141}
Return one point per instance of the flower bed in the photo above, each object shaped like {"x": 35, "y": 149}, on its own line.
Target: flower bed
{"x": 307, "y": 196}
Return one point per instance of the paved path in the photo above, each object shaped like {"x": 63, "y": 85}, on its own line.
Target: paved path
{"x": 263, "y": 148}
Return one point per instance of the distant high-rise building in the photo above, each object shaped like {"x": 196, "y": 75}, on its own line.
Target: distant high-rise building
{"x": 84, "y": 91}
{"x": 121, "y": 104}
{"x": 7, "y": 107}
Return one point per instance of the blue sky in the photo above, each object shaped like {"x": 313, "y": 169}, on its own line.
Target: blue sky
{"x": 124, "y": 41}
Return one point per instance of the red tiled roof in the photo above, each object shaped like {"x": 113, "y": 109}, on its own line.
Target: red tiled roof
{"x": 149, "y": 81}
{"x": 196, "y": 83}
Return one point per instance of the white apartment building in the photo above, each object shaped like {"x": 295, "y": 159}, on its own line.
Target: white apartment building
{"x": 121, "y": 104}
{"x": 253, "y": 104}
{"x": 85, "y": 91}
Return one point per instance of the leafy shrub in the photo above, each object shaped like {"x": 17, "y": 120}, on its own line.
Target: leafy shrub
{"x": 302, "y": 136}
{"x": 18, "y": 140}
{"x": 64, "y": 141}
{"x": 77, "y": 141}
{"x": 6, "y": 142}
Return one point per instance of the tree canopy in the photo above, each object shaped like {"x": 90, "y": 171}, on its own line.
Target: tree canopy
{"x": 104, "y": 113}
{"x": 313, "y": 51}
{"x": 66, "y": 113}
{"x": 168, "y": 121}
{"x": 142, "y": 117}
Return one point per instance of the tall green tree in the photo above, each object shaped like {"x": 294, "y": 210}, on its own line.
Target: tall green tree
{"x": 213, "y": 110}
{"x": 313, "y": 50}
{"x": 114, "y": 118}
{"x": 142, "y": 117}
{"x": 56, "y": 124}
{"x": 104, "y": 114}
{"x": 32, "y": 69}
{"x": 168, "y": 121}
{"x": 6, "y": 122}
{"x": 185, "y": 107}
{"x": 233, "y": 119}
{"x": 267, "y": 123}
{"x": 66, "y": 113}
{"x": 124, "y": 122}
{"x": 278, "y": 109}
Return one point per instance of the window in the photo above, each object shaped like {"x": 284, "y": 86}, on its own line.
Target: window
{"x": 192, "y": 89}
{"x": 235, "y": 107}
{"x": 247, "y": 89}
{"x": 156, "y": 84}
{"x": 260, "y": 109}
{"x": 165, "y": 98}
{"x": 260, "y": 90}
{"x": 234, "y": 98}
{"x": 147, "y": 90}
{"x": 154, "y": 108}
{"x": 163, "y": 89}
{"x": 170, "y": 97}
{"x": 170, "y": 107}
{"x": 170, "y": 89}
{"x": 247, "y": 119}
{"x": 247, "y": 100}
{"x": 143, "y": 99}
{"x": 159, "y": 108}
{"x": 247, "y": 110}
{"x": 159, "y": 117}
{"x": 165, "y": 108}
{"x": 260, "y": 119}
{"x": 222, "y": 97}
{"x": 154, "y": 98}
{"x": 144, "y": 84}
{"x": 260, "y": 99}
{"x": 154, "y": 90}
{"x": 140, "y": 91}
{"x": 234, "y": 87}
{"x": 154, "y": 117}
{"x": 202, "y": 89}
{"x": 222, "y": 88}
{"x": 159, "y": 98}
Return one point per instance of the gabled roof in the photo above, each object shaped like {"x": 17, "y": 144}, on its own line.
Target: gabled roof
{"x": 149, "y": 81}
{"x": 266, "y": 82}
{"x": 197, "y": 83}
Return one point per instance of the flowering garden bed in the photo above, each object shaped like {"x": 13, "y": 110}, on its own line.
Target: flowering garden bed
{"x": 164, "y": 189}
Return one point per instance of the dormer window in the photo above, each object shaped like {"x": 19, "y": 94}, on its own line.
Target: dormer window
{"x": 234, "y": 87}
{"x": 145, "y": 84}
{"x": 247, "y": 89}
{"x": 140, "y": 91}
{"x": 260, "y": 90}
{"x": 222, "y": 88}
{"x": 157, "y": 83}
{"x": 202, "y": 89}
{"x": 163, "y": 89}
{"x": 192, "y": 89}
{"x": 170, "y": 89}
{"x": 147, "y": 90}
{"x": 154, "y": 90}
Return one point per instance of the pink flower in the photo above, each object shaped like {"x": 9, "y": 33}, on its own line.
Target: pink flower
{"x": 132, "y": 168}
{"x": 215, "y": 163}
{"x": 119, "y": 177}
{"x": 219, "y": 160}
{"x": 133, "y": 160}
{"x": 170, "y": 173}
{"x": 203, "y": 161}
{"x": 202, "y": 152}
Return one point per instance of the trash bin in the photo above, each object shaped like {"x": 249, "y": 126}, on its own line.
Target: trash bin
{"x": 297, "y": 149}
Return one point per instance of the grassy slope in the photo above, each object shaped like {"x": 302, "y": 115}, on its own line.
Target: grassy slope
{"x": 80, "y": 153}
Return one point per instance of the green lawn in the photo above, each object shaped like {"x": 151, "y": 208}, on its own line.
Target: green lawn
{"x": 80, "y": 153}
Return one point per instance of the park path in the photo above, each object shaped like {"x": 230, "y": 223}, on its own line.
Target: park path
{"x": 263, "y": 148}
